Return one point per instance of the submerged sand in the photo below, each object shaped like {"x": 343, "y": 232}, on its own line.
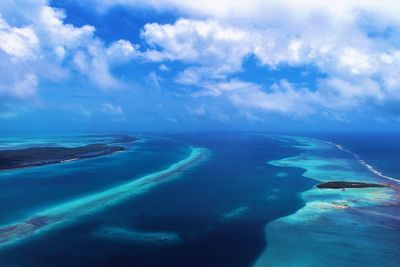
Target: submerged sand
{"x": 64, "y": 213}
{"x": 352, "y": 227}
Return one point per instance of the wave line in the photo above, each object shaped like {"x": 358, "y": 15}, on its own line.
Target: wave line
{"x": 363, "y": 162}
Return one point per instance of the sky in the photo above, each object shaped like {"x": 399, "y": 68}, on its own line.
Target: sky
{"x": 199, "y": 65}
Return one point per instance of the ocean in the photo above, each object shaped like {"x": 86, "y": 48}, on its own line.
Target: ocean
{"x": 225, "y": 199}
{"x": 379, "y": 150}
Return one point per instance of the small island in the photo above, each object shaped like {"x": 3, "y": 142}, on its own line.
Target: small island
{"x": 344, "y": 185}
{"x": 37, "y": 156}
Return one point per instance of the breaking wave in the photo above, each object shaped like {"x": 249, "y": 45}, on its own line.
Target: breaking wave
{"x": 364, "y": 163}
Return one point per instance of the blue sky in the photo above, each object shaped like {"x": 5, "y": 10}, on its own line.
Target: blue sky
{"x": 178, "y": 65}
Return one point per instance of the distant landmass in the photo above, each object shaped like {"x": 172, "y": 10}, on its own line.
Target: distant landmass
{"x": 343, "y": 185}
{"x": 37, "y": 156}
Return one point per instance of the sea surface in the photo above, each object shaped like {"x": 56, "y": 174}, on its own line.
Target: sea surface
{"x": 379, "y": 150}
{"x": 201, "y": 200}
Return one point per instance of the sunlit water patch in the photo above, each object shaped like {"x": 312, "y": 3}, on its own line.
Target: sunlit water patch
{"x": 235, "y": 213}
{"x": 131, "y": 235}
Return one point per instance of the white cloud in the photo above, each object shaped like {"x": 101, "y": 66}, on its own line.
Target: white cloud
{"x": 18, "y": 43}
{"x": 354, "y": 61}
{"x": 334, "y": 38}
{"x": 164, "y": 67}
{"x": 196, "y": 41}
{"x": 354, "y": 91}
{"x": 49, "y": 23}
{"x": 37, "y": 45}
{"x": 267, "y": 11}
{"x": 121, "y": 51}
{"x": 213, "y": 40}
{"x": 26, "y": 87}
{"x": 210, "y": 111}
{"x": 280, "y": 97}
{"x": 95, "y": 61}
{"x": 155, "y": 80}
{"x": 112, "y": 110}
{"x": 250, "y": 117}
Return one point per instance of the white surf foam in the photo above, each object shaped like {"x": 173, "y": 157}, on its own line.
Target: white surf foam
{"x": 364, "y": 163}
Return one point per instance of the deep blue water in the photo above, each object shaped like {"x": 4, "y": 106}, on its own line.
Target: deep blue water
{"x": 235, "y": 175}
{"x": 380, "y": 150}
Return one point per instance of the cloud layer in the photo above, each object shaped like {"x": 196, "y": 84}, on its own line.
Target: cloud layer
{"x": 353, "y": 46}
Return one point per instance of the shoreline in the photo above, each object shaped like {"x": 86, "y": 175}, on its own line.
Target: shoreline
{"x": 292, "y": 240}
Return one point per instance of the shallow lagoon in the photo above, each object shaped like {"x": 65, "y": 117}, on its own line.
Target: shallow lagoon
{"x": 351, "y": 227}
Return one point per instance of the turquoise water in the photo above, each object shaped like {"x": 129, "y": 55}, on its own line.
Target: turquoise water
{"x": 352, "y": 227}
{"x": 195, "y": 200}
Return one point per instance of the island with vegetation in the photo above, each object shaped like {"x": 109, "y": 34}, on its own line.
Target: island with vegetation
{"x": 344, "y": 185}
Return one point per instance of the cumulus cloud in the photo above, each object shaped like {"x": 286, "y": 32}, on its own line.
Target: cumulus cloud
{"x": 18, "y": 43}
{"x": 280, "y": 97}
{"x": 121, "y": 51}
{"x": 195, "y": 41}
{"x": 18, "y": 47}
{"x": 95, "y": 61}
{"x": 49, "y": 23}
{"x": 37, "y": 45}
{"x": 354, "y": 44}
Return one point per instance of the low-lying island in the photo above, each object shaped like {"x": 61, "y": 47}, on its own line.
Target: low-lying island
{"x": 344, "y": 185}
{"x": 37, "y": 156}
